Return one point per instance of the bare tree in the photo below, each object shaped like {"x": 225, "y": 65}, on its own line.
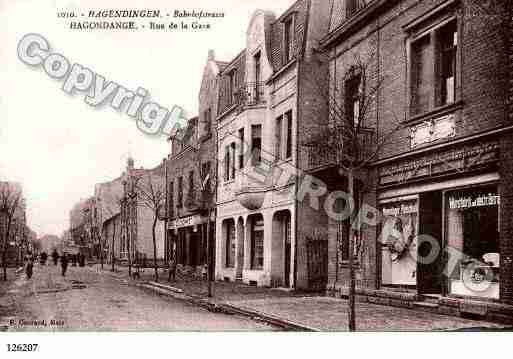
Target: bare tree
{"x": 207, "y": 186}
{"x": 10, "y": 202}
{"x": 152, "y": 197}
{"x": 348, "y": 136}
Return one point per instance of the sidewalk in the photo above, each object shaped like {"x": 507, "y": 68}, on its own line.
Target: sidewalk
{"x": 299, "y": 311}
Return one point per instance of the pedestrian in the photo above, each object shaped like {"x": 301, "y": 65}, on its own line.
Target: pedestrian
{"x": 43, "y": 258}
{"x": 172, "y": 267}
{"x": 55, "y": 257}
{"x": 29, "y": 267}
{"x": 64, "y": 263}
{"x": 81, "y": 259}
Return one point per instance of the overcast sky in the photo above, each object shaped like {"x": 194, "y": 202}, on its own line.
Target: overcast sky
{"x": 58, "y": 146}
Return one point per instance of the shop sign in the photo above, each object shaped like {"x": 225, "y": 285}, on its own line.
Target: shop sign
{"x": 460, "y": 159}
{"x": 400, "y": 210}
{"x": 472, "y": 202}
{"x": 433, "y": 130}
{"x": 188, "y": 221}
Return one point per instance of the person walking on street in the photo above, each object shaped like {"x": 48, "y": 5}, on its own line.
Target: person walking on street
{"x": 64, "y": 264}
{"x": 29, "y": 266}
{"x": 43, "y": 258}
{"x": 55, "y": 257}
{"x": 172, "y": 267}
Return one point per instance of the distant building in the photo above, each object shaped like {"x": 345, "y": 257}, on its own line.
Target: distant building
{"x": 124, "y": 222}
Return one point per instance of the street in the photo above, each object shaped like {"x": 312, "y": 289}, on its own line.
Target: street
{"x": 87, "y": 301}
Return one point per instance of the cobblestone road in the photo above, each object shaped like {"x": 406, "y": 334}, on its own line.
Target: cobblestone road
{"x": 85, "y": 300}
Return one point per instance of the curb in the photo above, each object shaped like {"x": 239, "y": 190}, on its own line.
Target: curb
{"x": 225, "y": 308}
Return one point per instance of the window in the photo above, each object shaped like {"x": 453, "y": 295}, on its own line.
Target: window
{"x": 352, "y": 6}
{"x": 288, "y": 137}
{"x": 232, "y": 86}
{"x": 205, "y": 171}
{"x": 180, "y": 192}
{"x": 207, "y": 122}
{"x": 257, "y": 243}
{"x": 288, "y": 36}
{"x": 257, "y": 88}
{"x": 232, "y": 158}
{"x": 473, "y": 231}
{"x": 353, "y": 93}
{"x": 230, "y": 244}
{"x": 448, "y": 42}
{"x": 277, "y": 150}
{"x": 434, "y": 69}
{"x": 242, "y": 148}
{"x": 229, "y": 162}
{"x": 192, "y": 190}
{"x": 256, "y": 144}
{"x": 170, "y": 204}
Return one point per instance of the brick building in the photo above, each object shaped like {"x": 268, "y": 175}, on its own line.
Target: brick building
{"x": 442, "y": 183}
{"x": 262, "y": 98}
{"x": 191, "y": 169}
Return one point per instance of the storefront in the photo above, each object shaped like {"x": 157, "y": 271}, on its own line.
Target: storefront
{"x": 472, "y": 234}
{"x": 442, "y": 237}
{"x": 188, "y": 237}
{"x": 444, "y": 241}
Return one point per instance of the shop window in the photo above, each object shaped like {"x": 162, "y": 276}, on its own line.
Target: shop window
{"x": 230, "y": 244}
{"x": 472, "y": 220}
{"x": 434, "y": 68}
{"x": 256, "y": 144}
{"x": 257, "y": 243}
{"x": 398, "y": 240}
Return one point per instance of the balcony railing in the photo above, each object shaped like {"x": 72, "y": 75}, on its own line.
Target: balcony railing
{"x": 324, "y": 156}
{"x": 249, "y": 94}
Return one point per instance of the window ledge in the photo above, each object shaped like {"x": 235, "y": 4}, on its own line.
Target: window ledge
{"x": 438, "y": 111}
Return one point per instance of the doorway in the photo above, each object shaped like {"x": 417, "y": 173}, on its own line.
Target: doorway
{"x": 429, "y": 259}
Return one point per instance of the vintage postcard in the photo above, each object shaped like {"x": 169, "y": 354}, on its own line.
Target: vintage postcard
{"x": 255, "y": 166}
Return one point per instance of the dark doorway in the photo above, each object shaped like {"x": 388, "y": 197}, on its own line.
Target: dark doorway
{"x": 429, "y": 262}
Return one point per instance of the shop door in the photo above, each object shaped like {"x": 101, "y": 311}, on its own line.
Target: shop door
{"x": 429, "y": 272}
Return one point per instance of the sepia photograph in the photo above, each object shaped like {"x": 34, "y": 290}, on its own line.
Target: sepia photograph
{"x": 238, "y": 167}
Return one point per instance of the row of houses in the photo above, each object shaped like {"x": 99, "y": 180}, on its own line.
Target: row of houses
{"x": 372, "y": 134}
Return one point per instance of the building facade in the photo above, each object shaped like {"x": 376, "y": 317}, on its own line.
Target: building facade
{"x": 261, "y": 101}
{"x": 441, "y": 183}
{"x": 191, "y": 179}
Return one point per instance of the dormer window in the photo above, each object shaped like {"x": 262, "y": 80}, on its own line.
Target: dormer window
{"x": 288, "y": 37}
